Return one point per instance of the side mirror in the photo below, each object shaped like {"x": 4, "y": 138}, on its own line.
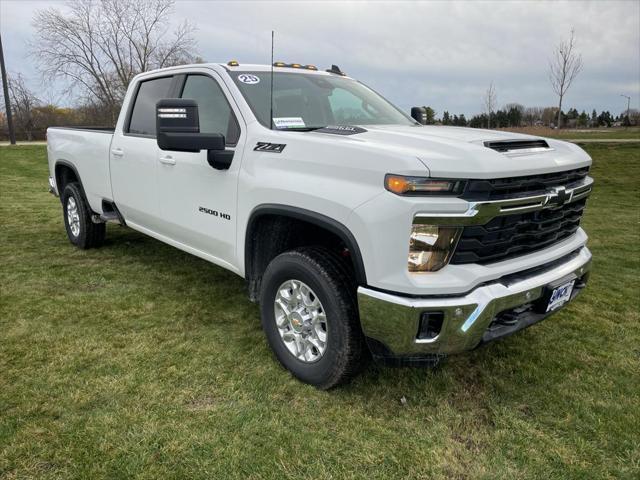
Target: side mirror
{"x": 178, "y": 130}
{"x": 419, "y": 114}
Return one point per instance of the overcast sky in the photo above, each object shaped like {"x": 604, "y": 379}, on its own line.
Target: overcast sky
{"x": 442, "y": 54}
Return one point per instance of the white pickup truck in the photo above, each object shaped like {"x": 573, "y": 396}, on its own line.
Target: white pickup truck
{"x": 358, "y": 230}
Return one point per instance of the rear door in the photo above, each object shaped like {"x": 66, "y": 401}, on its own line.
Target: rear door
{"x": 134, "y": 156}
{"x": 198, "y": 203}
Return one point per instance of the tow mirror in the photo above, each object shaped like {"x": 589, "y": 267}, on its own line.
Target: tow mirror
{"x": 178, "y": 130}
{"x": 419, "y": 114}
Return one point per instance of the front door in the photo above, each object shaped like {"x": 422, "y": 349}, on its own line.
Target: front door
{"x": 198, "y": 203}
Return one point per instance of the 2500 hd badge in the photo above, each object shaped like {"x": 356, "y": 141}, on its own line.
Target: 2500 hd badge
{"x": 215, "y": 213}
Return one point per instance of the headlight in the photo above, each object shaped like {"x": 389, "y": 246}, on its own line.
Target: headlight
{"x": 431, "y": 247}
{"x": 401, "y": 185}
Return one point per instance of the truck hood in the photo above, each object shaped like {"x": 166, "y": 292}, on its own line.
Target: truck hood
{"x": 457, "y": 152}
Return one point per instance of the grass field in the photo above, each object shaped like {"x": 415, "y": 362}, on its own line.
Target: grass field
{"x": 624, "y": 133}
{"x": 138, "y": 360}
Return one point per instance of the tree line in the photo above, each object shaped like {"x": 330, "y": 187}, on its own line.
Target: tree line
{"x": 96, "y": 48}
{"x": 514, "y": 115}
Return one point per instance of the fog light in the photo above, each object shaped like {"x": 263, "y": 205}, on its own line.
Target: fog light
{"x": 431, "y": 247}
{"x": 430, "y": 325}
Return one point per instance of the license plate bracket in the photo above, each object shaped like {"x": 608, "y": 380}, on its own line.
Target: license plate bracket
{"x": 556, "y": 295}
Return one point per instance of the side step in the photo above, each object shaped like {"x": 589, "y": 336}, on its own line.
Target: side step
{"x": 108, "y": 217}
{"x": 110, "y": 214}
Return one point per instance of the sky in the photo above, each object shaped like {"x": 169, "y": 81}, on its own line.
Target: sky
{"x": 441, "y": 54}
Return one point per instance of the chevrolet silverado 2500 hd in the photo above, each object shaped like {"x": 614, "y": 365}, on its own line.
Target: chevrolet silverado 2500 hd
{"x": 357, "y": 229}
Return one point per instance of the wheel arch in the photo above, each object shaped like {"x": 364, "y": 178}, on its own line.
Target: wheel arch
{"x": 316, "y": 219}
{"x": 62, "y": 176}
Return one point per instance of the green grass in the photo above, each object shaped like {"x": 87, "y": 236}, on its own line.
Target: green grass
{"x": 624, "y": 133}
{"x": 138, "y": 360}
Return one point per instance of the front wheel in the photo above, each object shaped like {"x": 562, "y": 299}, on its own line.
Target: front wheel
{"x": 81, "y": 230}
{"x": 310, "y": 317}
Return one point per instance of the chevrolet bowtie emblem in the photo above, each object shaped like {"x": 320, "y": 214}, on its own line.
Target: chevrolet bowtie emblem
{"x": 558, "y": 196}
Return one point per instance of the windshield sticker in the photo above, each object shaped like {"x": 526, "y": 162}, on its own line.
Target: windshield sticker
{"x": 248, "y": 79}
{"x": 289, "y": 122}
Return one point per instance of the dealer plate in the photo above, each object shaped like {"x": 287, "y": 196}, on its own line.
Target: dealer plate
{"x": 560, "y": 295}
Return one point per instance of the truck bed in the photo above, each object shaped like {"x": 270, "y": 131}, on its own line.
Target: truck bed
{"x": 85, "y": 128}
{"x": 86, "y": 149}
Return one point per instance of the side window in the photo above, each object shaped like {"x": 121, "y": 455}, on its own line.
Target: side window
{"x": 143, "y": 115}
{"x": 215, "y": 113}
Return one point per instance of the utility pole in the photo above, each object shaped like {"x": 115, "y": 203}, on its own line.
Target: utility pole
{"x": 628, "y": 103}
{"x": 7, "y": 102}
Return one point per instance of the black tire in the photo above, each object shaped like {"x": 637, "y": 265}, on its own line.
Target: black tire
{"x": 87, "y": 234}
{"x": 326, "y": 274}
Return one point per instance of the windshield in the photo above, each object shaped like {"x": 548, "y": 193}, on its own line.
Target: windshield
{"x": 314, "y": 101}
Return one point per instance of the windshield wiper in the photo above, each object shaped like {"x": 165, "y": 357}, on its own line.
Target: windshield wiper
{"x": 300, "y": 129}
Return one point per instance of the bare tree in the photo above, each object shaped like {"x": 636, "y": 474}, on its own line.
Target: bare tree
{"x": 532, "y": 115}
{"x": 490, "y": 102}
{"x": 634, "y": 116}
{"x": 23, "y": 102}
{"x": 565, "y": 65}
{"x": 549, "y": 114}
{"x": 100, "y": 46}
{"x": 513, "y": 105}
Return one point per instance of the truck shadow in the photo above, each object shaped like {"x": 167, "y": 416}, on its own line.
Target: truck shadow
{"x": 467, "y": 380}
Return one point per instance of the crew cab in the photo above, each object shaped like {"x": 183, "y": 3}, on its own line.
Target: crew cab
{"x": 359, "y": 231}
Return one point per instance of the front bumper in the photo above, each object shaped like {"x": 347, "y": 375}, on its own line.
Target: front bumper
{"x": 391, "y": 322}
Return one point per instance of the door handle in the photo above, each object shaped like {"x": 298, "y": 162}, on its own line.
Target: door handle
{"x": 117, "y": 152}
{"x": 167, "y": 160}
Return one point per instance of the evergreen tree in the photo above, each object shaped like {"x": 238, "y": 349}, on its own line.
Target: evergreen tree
{"x": 478, "y": 121}
{"x": 431, "y": 115}
{"x": 514, "y": 116}
{"x": 583, "y": 119}
{"x": 605, "y": 119}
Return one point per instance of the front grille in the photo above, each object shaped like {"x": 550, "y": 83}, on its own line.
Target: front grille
{"x": 514, "y": 187}
{"x": 518, "y": 234}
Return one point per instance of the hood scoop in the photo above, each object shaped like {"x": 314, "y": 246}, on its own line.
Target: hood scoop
{"x": 518, "y": 146}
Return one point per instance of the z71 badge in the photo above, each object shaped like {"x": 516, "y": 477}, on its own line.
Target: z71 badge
{"x": 269, "y": 147}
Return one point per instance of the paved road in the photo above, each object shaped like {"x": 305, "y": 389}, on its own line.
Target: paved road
{"x": 6, "y": 144}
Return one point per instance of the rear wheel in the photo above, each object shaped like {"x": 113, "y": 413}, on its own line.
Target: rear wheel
{"x": 310, "y": 317}
{"x": 81, "y": 230}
